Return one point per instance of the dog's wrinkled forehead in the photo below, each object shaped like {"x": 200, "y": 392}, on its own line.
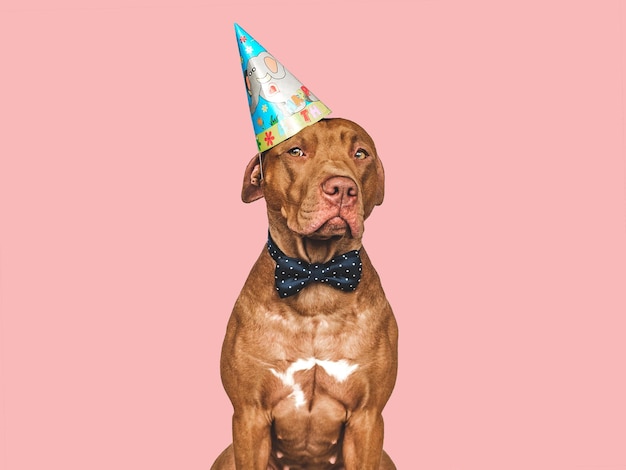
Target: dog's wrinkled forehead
{"x": 333, "y": 133}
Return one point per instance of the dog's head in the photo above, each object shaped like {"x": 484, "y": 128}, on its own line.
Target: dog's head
{"x": 322, "y": 183}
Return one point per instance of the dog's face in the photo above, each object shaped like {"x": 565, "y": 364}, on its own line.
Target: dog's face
{"x": 321, "y": 183}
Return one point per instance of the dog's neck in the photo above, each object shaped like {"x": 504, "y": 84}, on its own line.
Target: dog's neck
{"x": 309, "y": 249}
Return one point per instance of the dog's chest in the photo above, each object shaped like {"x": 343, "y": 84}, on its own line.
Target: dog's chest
{"x": 306, "y": 378}
{"x": 310, "y": 404}
{"x": 313, "y": 366}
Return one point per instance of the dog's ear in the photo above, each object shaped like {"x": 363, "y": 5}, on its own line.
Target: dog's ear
{"x": 251, "y": 190}
{"x": 380, "y": 186}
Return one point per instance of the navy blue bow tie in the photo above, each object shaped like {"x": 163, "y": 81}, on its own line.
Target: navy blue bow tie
{"x": 342, "y": 272}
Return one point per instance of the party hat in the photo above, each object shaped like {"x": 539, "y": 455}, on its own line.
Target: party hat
{"x": 280, "y": 106}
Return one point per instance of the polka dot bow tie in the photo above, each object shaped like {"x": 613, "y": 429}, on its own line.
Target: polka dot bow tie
{"x": 342, "y": 272}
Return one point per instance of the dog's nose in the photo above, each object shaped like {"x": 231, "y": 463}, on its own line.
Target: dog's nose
{"x": 340, "y": 189}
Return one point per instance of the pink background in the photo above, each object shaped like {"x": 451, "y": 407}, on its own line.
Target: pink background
{"x": 501, "y": 243}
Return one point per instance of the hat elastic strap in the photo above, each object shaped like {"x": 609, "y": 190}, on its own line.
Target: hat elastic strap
{"x": 261, "y": 166}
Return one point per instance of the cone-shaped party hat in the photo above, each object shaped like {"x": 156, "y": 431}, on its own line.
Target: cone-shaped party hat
{"x": 280, "y": 106}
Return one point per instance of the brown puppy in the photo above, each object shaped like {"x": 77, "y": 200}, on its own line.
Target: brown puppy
{"x": 309, "y": 374}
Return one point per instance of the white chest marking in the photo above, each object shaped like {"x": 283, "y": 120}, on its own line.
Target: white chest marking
{"x": 338, "y": 370}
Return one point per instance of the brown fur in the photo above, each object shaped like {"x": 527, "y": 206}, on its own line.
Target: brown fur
{"x": 341, "y": 425}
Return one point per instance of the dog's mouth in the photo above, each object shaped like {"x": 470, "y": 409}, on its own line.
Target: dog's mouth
{"x": 335, "y": 226}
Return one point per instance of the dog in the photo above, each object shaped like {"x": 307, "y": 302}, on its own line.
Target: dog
{"x": 307, "y": 364}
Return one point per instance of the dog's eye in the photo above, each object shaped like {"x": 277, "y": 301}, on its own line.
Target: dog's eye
{"x": 296, "y": 152}
{"x": 360, "y": 154}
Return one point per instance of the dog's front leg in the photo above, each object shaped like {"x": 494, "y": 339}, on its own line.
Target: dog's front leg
{"x": 251, "y": 439}
{"x": 363, "y": 441}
